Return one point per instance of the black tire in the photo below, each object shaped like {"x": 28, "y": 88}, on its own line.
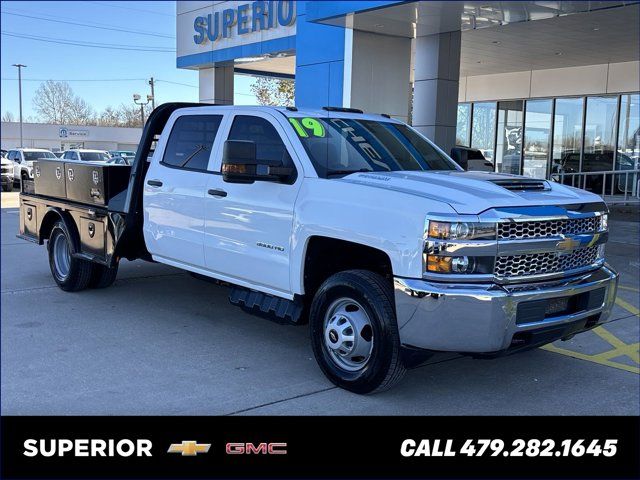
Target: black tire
{"x": 78, "y": 272}
{"x": 374, "y": 294}
{"x": 103, "y": 276}
{"x": 7, "y": 187}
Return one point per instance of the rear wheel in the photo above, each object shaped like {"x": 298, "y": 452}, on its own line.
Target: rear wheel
{"x": 103, "y": 276}
{"x": 354, "y": 332}
{"x": 71, "y": 274}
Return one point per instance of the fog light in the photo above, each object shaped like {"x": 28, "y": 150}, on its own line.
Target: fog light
{"x": 460, "y": 264}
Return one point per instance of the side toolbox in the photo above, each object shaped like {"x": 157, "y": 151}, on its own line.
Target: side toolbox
{"x": 28, "y": 220}
{"x": 48, "y": 176}
{"x": 94, "y": 183}
{"x": 93, "y": 236}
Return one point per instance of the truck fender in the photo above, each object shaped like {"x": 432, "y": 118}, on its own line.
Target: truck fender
{"x": 50, "y": 218}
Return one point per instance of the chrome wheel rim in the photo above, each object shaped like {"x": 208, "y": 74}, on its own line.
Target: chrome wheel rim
{"x": 61, "y": 256}
{"x": 348, "y": 334}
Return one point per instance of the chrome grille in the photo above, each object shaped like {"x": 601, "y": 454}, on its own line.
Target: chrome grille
{"x": 547, "y": 228}
{"x": 541, "y": 263}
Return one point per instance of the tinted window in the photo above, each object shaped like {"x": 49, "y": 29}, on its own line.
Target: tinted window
{"x": 269, "y": 145}
{"x": 94, "y": 157}
{"x": 12, "y": 155}
{"x": 30, "y": 156}
{"x": 191, "y": 141}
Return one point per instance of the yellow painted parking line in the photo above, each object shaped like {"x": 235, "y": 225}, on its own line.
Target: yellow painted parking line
{"x": 628, "y": 307}
{"x": 628, "y": 288}
{"x": 630, "y": 351}
{"x": 591, "y": 358}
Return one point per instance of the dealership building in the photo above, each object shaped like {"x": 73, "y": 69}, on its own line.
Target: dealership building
{"x": 58, "y": 138}
{"x": 536, "y": 86}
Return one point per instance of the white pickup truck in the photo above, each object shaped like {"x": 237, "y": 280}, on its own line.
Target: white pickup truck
{"x": 352, "y": 222}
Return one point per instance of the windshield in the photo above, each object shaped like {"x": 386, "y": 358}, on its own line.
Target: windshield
{"x": 31, "y": 156}
{"x": 94, "y": 156}
{"x": 338, "y": 146}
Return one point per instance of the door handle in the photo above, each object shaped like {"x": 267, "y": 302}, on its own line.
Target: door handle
{"x": 154, "y": 183}
{"x": 217, "y": 192}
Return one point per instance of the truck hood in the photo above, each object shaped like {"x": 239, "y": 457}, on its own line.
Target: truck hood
{"x": 471, "y": 193}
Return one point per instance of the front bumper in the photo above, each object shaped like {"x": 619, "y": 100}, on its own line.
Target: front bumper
{"x": 491, "y": 318}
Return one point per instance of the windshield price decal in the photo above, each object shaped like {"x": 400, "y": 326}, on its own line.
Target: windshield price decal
{"x": 310, "y": 124}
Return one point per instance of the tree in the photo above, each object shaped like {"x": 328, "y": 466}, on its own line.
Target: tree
{"x": 274, "y": 91}
{"x": 52, "y": 101}
{"x": 8, "y": 117}
{"x": 80, "y": 113}
{"x": 129, "y": 115}
{"x": 109, "y": 118}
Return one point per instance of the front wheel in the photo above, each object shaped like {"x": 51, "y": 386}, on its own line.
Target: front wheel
{"x": 354, "y": 333}
{"x": 71, "y": 274}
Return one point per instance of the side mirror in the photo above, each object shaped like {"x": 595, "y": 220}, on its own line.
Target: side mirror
{"x": 240, "y": 165}
{"x": 460, "y": 156}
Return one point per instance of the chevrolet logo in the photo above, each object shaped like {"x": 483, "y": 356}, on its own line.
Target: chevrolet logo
{"x": 567, "y": 245}
{"x": 189, "y": 448}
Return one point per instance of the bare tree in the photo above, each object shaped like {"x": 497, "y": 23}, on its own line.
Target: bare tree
{"x": 80, "y": 113}
{"x": 8, "y": 117}
{"x": 274, "y": 91}
{"x": 129, "y": 115}
{"x": 109, "y": 118}
{"x": 52, "y": 101}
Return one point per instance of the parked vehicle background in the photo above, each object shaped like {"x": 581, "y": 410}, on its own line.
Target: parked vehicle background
{"x": 86, "y": 155}
{"x": 23, "y": 159}
{"x": 7, "y": 174}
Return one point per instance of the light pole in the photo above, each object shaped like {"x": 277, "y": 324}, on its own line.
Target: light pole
{"x": 136, "y": 98}
{"x": 20, "y": 66}
{"x": 152, "y": 82}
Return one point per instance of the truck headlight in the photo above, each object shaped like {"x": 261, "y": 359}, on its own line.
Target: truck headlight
{"x": 459, "y": 264}
{"x": 604, "y": 222}
{"x": 461, "y": 230}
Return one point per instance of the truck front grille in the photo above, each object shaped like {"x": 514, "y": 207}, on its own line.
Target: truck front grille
{"x": 542, "y": 263}
{"x": 7, "y": 169}
{"x": 547, "y": 228}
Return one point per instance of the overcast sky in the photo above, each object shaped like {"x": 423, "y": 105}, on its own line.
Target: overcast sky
{"x": 111, "y": 75}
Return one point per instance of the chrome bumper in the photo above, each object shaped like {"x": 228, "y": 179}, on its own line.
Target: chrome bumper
{"x": 483, "y": 318}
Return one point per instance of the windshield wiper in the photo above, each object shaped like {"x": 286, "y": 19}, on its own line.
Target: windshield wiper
{"x": 346, "y": 172}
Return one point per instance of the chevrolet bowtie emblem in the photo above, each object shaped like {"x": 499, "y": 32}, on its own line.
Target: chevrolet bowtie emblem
{"x": 189, "y": 448}
{"x": 567, "y": 245}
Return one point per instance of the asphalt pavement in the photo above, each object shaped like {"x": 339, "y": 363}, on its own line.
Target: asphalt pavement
{"x": 159, "y": 342}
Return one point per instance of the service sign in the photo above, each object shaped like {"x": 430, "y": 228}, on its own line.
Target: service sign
{"x": 221, "y": 25}
{"x": 65, "y": 132}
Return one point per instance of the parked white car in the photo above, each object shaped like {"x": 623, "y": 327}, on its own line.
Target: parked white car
{"x": 86, "y": 155}
{"x": 23, "y": 158}
{"x": 7, "y": 175}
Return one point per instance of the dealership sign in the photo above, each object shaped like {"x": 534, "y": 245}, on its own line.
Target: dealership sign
{"x": 244, "y": 19}
{"x": 65, "y": 132}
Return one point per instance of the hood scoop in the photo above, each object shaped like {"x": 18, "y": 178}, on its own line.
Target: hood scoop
{"x": 523, "y": 184}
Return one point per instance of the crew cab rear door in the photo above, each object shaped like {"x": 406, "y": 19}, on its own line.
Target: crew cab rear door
{"x": 248, "y": 227}
{"x": 175, "y": 188}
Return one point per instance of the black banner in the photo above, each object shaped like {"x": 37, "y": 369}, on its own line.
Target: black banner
{"x": 320, "y": 447}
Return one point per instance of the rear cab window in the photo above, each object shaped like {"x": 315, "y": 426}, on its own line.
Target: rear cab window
{"x": 191, "y": 141}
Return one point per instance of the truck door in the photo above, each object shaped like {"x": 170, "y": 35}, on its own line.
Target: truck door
{"x": 175, "y": 188}
{"x": 248, "y": 226}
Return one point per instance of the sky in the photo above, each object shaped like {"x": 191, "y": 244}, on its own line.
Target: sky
{"x": 101, "y": 76}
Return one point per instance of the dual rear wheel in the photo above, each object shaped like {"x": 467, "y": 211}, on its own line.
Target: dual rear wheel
{"x": 74, "y": 274}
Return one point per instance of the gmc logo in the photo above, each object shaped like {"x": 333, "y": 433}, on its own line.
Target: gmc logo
{"x": 260, "y": 448}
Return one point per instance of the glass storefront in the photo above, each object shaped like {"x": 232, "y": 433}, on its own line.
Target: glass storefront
{"x": 483, "y": 129}
{"x": 509, "y": 138}
{"x": 600, "y": 129}
{"x": 537, "y": 138}
{"x": 551, "y": 136}
{"x": 462, "y": 125}
{"x": 567, "y": 135}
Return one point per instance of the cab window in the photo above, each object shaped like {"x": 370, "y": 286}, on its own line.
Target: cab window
{"x": 269, "y": 145}
{"x": 190, "y": 142}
